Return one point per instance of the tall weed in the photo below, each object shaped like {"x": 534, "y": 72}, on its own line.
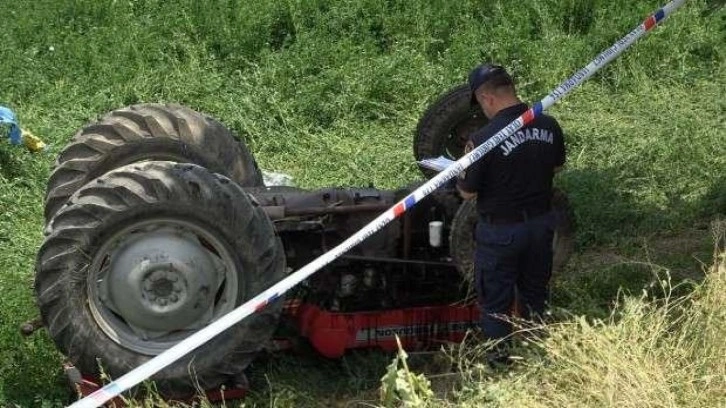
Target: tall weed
{"x": 648, "y": 353}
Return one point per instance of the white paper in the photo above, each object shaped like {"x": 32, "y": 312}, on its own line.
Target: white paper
{"x": 436, "y": 163}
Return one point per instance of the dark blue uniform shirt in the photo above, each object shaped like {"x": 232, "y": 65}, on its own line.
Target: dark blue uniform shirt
{"x": 516, "y": 175}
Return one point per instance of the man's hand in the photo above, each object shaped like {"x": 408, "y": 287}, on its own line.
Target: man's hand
{"x": 466, "y": 195}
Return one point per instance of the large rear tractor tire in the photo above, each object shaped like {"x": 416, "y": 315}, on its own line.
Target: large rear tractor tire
{"x": 463, "y": 245}
{"x": 148, "y": 254}
{"x": 143, "y": 133}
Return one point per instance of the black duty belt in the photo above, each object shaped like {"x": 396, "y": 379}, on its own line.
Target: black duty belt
{"x": 512, "y": 218}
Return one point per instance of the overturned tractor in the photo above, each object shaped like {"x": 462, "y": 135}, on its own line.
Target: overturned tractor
{"x": 158, "y": 223}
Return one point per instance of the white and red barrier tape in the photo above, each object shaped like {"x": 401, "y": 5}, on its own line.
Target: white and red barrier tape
{"x": 174, "y": 353}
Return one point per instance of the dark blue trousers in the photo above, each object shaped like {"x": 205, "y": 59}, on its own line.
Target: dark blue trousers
{"x": 512, "y": 259}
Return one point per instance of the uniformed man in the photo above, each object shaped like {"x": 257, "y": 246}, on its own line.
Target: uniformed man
{"x": 512, "y": 185}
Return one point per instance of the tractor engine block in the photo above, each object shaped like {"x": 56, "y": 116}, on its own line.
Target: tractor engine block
{"x": 396, "y": 267}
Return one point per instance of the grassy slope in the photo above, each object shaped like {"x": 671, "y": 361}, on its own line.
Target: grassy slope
{"x": 330, "y": 92}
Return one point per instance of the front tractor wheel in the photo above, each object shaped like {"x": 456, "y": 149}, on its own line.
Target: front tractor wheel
{"x": 145, "y": 256}
{"x": 446, "y": 126}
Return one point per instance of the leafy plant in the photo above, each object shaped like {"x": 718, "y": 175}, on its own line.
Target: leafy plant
{"x": 402, "y": 388}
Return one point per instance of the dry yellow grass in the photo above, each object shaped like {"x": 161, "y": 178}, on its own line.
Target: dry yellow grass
{"x": 669, "y": 352}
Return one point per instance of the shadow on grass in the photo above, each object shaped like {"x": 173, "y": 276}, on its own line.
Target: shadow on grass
{"x": 627, "y": 247}
{"x": 305, "y": 378}
{"x": 31, "y": 372}
{"x": 11, "y": 165}
{"x": 607, "y": 209}
{"x": 713, "y": 203}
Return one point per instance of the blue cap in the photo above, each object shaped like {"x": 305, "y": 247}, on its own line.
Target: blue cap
{"x": 482, "y": 74}
{"x": 7, "y": 117}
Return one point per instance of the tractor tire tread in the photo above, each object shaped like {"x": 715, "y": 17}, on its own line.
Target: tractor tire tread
{"x": 147, "y": 132}
{"x": 64, "y": 259}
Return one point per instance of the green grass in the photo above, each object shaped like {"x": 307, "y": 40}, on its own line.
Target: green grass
{"x": 330, "y": 92}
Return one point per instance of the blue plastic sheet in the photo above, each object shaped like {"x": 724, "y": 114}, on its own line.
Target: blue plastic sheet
{"x": 7, "y": 117}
